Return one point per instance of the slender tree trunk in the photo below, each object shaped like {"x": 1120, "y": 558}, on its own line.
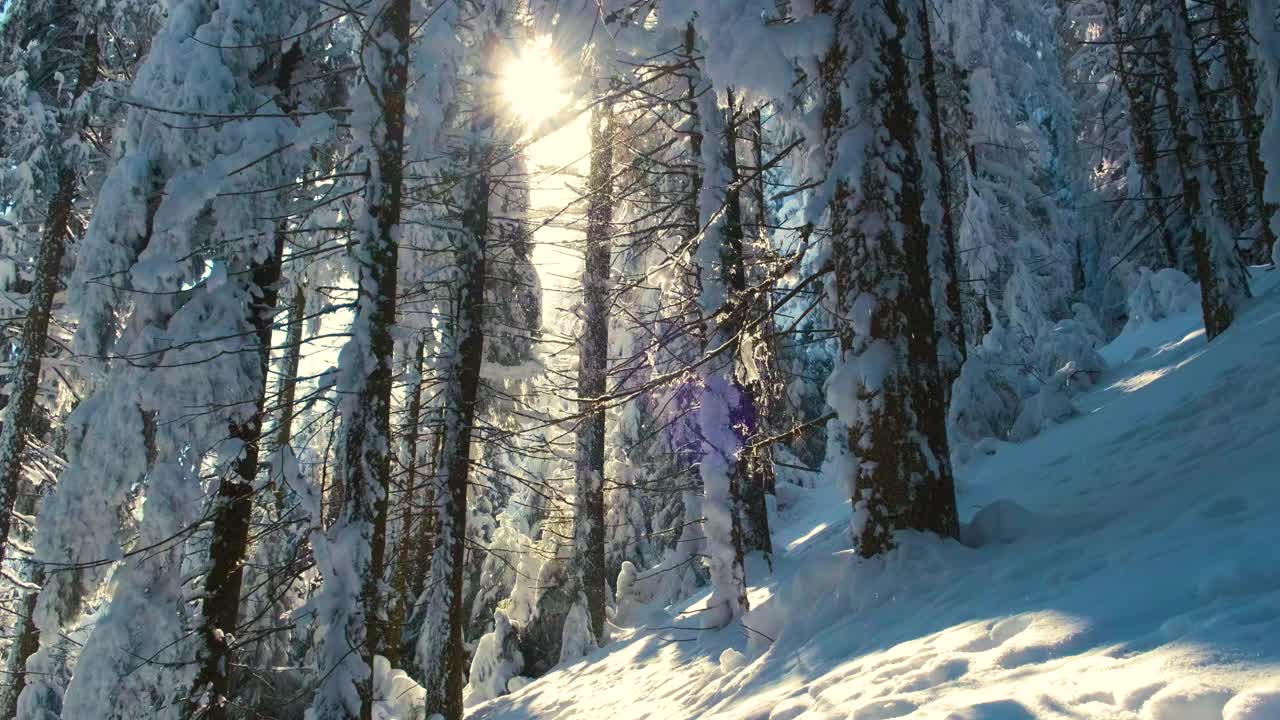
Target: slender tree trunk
{"x": 256, "y": 693}
{"x": 694, "y": 131}
{"x": 952, "y": 346}
{"x": 752, "y": 479}
{"x": 26, "y": 634}
{"x": 691, "y": 223}
{"x": 1142, "y": 116}
{"x": 1264, "y": 29}
{"x": 769, "y": 393}
{"x": 1233, "y": 22}
{"x": 418, "y": 570}
{"x": 593, "y": 360}
{"x": 440, "y": 650}
{"x": 229, "y": 535}
{"x": 366, "y": 462}
{"x": 726, "y": 412}
{"x": 289, "y": 384}
{"x": 1223, "y": 286}
{"x": 289, "y": 373}
{"x": 407, "y": 550}
{"x": 233, "y": 509}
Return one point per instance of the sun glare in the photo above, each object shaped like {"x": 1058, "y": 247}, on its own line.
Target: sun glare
{"x": 533, "y": 85}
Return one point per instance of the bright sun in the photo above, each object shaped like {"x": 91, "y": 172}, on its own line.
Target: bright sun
{"x": 532, "y": 84}
{"x": 534, "y": 89}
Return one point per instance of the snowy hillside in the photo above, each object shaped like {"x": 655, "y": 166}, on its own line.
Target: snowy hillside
{"x": 1127, "y": 568}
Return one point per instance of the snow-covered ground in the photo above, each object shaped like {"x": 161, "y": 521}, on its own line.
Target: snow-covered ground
{"x": 1130, "y": 569}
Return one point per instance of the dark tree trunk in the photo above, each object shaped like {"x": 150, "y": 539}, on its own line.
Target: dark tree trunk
{"x": 1222, "y": 282}
{"x": 440, "y": 650}
{"x": 1142, "y": 115}
{"x": 751, "y": 480}
{"x": 947, "y": 270}
{"x": 233, "y": 507}
{"x": 366, "y": 463}
{"x": 423, "y": 538}
{"x": 593, "y": 367}
{"x": 26, "y": 634}
{"x": 289, "y": 385}
{"x": 1233, "y": 22}
{"x": 289, "y": 373}
{"x": 229, "y": 534}
{"x": 407, "y": 550}
{"x": 896, "y": 439}
{"x": 26, "y": 383}
{"x": 769, "y": 393}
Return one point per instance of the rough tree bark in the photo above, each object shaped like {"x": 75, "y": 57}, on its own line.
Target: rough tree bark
{"x": 887, "y": 387}
{"x": 1142, "y": 127}
{"x": 951, "y": 329}
{"x": 407, "y": 550}
{"x": 233, "y": 507}
{"x": 1233, "y": 24}
{"x": 288, "y": 396}
{"x": 593, "y": 362}
{"x": 754, "y": 479}
{"x": 726, "y": 411}
{"x": 35, "y": 330}
{"x": 1223, "y": 285}
{"x": 229, "y": 533}
{"x": 365, "y": 462}
{"x": 440, "y": 652}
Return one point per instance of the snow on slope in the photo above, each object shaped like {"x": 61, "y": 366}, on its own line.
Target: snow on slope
{"x": 1135, "y": 574}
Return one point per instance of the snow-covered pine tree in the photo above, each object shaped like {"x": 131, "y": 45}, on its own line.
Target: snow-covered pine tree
{"x": 44, "y": 44}
{"x": 593, "y": 368}
{"x": 232, "y": 510}
{"x": 1223, "y": 283}
{"x": 886, "y": 386}
{"x": 1264, "y": 22}
{"x": 440, "y": 652}
{"x": 352, "y": 554}
{"x": 726, "y": 413}
{"x": 69, "y": 48}
{"x": 1237, "y": 111}
{"x": 945, "y": 249}
{"x": 1132, "y": 64}
{"x": 177, "y": 327}
{"x": 412, "y": 541}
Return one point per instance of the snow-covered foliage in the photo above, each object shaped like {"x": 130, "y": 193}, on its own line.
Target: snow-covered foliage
{"x": 1013, "y": 386}
{"x": 497, "y": 660}
{"x": 316, "y": 318}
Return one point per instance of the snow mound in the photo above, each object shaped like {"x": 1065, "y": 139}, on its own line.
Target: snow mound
{"x": 1002, "y": 521}
{"x": 396, "y": 695}
{"x": 1255, "y": 703}
{"x": 998, "y": 710}
{"x": 1158, "y": 295}
{"x": 1187, "y": 701}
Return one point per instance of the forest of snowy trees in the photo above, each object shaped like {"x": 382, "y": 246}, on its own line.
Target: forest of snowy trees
{"x": 295, "y": 426}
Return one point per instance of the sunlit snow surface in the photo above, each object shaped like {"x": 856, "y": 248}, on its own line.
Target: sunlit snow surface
{"x": 1143, "y": 580}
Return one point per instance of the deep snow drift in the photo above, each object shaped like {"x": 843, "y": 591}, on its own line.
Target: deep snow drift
{"x": 1128, "y": 567}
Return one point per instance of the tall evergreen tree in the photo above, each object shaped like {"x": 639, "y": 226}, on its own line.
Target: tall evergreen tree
{"x": 354, "y": 558}
{"x": 593, "y": 359}
{"x": 440, "y": 651}
{"x": 887, "y": 387}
